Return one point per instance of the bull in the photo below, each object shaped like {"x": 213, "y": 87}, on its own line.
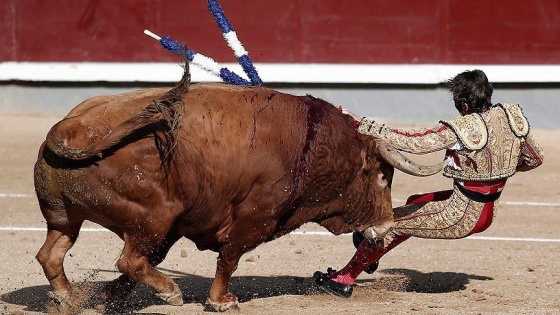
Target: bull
{"x": 225, "y": 166}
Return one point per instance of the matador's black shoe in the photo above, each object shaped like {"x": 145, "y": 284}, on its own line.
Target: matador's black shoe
{"x": 357, "y": 239}
{"x": 332, "y": 287}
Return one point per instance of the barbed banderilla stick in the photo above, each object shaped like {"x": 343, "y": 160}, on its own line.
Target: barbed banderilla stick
{"x": 234, "y": 43}
{"x": 204, "y": 62}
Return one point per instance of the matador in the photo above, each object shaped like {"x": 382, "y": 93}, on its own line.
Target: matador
{"x": 484, "y": 146}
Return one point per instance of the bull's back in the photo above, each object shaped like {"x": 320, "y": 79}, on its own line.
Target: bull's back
{"x": 254, "y": 129}
{"x": 285, "y": 151}
{"x": 258, "y": 125}
{"x": 244, "y": 123}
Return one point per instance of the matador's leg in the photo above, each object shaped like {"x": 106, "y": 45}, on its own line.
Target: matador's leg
{"x": 366, "y": 254}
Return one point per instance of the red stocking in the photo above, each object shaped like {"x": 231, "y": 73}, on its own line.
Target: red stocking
{"x": 364, "y": 256}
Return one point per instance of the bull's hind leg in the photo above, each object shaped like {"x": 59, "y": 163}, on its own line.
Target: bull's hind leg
{"x": 220, "y": 298}
{"x": 116, "y": 292}
{"x": 51, "y": 257}
{"x": 137, "y": 265}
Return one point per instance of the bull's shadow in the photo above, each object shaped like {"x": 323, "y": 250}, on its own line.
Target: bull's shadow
{"x": 195, "y": 288}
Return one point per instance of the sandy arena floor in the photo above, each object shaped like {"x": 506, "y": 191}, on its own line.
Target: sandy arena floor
{"x": 512, "y": 268}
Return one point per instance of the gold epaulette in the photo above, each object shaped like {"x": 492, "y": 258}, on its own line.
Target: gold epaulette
{"x": 470, "y": 129}
{"x": 517, "y": 121}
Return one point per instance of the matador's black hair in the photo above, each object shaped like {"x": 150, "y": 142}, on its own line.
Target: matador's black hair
{"x": 473, "y": 88}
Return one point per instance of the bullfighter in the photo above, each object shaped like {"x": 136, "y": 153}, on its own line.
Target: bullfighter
{"x": 484, "y": 146}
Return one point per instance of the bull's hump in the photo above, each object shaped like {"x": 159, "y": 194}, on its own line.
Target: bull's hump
{"x": 200, "y": 89}
{"x": 235, "y": 94}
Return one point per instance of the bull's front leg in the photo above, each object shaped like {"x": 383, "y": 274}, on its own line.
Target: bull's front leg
{"x": 220, "y": 299}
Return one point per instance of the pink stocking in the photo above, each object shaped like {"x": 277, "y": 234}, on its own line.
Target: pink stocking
{"x": 365, "y": 255}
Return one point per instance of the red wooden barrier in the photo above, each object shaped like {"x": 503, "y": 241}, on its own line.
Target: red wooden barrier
{"x": 287, "y": 31}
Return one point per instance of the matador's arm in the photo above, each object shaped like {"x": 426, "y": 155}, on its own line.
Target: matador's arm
{"x": 419, "y": 141}
{"x": 531, "y": 155}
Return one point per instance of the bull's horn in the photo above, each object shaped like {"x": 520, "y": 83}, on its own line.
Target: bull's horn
{"x": 400, "y": 162}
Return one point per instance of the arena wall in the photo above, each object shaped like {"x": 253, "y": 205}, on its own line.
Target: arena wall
{"x": 376, "y": 57}
{"x": 288, "y": 31}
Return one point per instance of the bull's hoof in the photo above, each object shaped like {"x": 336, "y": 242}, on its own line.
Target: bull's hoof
{"x": 60, "y": 299}
{"x": 174, "y": 298}
{"x": 232, "y": 305}
{"x": 61, "y": 302}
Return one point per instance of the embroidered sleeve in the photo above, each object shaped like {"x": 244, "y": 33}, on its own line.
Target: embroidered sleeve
{"x": 419, "y": 141}
{"x": 531, "y": 155}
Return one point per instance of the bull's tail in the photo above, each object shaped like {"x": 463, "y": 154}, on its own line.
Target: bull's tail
{"x": 162, "y": 114}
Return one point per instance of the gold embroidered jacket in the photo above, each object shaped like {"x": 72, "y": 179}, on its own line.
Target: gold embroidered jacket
{"x": 480, "y": 147}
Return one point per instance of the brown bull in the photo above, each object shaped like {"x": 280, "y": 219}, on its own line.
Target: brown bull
{"x": 227, "y": 167}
